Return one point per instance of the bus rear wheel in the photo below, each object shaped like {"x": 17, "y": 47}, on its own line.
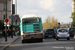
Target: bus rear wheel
{"x": 40, "y": 40}
{"x": 22, "y": 41}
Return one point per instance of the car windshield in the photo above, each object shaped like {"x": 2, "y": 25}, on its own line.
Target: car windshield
{"x": 30, "y": 20}
{"x": 62, "y": 30}
{"x": 72, "y": 29}
{"x": 50, "y": 30}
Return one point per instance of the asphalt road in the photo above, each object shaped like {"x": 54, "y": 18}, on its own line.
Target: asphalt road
{"x": 47, "y": 44}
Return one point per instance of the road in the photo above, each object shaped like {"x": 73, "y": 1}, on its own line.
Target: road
{"x": 47, "y": 44}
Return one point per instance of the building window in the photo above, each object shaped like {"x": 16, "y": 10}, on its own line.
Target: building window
{"x": 4, "y": 6}
{"x": 4, "y": 16}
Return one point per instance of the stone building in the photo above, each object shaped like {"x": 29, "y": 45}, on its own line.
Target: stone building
{"x": 73, "y": 6}
{"x": 3, "y": 9}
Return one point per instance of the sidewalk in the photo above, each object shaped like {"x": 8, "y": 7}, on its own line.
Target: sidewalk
{"x": 10, "y": 40}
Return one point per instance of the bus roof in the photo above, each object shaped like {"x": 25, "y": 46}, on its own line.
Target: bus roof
{"x": 28, "y": 15}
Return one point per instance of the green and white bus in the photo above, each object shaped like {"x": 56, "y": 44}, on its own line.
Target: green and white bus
{"x": 31, "y": 28}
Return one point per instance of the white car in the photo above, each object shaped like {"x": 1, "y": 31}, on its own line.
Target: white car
{"x": 62, "y": 34}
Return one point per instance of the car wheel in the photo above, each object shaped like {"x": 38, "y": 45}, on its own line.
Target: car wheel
{"x": 45, "y": 37}
{"x": 23, "y": 41}
{"x": 56, "y": 38}
{"x": 68, "y": 38}
{"x": 0, "y": 36}
{"x": 41, "y": 40}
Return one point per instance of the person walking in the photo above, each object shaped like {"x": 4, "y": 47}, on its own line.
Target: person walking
{"x": 15, "y": 33}
{"x": 4, "y": 32}
{"x": 8, "y": 32}
{"x": 11, "y": 33}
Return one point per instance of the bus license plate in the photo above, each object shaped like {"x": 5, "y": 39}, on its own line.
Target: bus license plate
{"x": 32, "y": 35}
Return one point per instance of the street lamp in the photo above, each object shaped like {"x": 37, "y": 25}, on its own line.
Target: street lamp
{"x": 12, "y": 21}
{"x": 6, "y": 24}
{"x": 16, "y": 14}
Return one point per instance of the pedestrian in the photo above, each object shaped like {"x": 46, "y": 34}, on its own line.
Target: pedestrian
{"x": 8, "y": 32}
{"x": 11, "y": 33}
{"x": 4, "y": 32}
{"x": 16, "y": 33}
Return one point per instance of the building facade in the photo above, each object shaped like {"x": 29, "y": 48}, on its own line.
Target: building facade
{"x": 73, "y": 6}
{"x": 3, "y": 9}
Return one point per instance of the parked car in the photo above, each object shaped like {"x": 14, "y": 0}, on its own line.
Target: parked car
{"x": 62, "y": 34}
{"x": 50, "y": 32}
{"x": 56, "y": 30}
{"x": 1, "y": 34}
{"x": 71, "y": 31}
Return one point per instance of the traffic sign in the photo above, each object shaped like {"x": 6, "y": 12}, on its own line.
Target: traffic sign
{"x": 58, "y": 23}
{"x": 59, "y": 26}
{"x": 12, "y": 16}
{"x": 6, "y": 20}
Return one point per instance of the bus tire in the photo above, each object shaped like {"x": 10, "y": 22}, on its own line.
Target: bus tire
{"x": 41, "y": 40}
{"x": 68, "y": 38}
{"x": 22, "y": 41}
{"x": 56, "y": 38}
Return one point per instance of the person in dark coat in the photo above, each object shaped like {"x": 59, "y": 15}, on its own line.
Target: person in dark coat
{"x": 9, "y": 32}
{"x": 4, "y": 32}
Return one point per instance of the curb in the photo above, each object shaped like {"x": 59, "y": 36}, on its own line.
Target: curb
{"x": 6, "y": 46}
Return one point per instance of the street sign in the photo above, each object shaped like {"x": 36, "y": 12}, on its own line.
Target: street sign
{"x": 58, "y": 23}
{"x": 12, "y": 16}
{"x": 6, "y": 20}
{"x": 8, "y": 24}
{"x": 59, "y": 26}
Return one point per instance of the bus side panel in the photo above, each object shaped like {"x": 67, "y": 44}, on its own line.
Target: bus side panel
{"x": 21, "y": 27}
{"x": 40, "y": 24}
{"x": 21, "y": 31}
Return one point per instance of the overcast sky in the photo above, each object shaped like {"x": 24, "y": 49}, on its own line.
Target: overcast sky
{"x": 60, "y": 9}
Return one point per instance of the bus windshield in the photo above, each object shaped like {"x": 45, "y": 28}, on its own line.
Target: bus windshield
{"x": 30, "y": 20}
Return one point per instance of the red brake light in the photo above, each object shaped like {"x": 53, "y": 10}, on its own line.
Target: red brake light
{"x": 1, "y": 33}
{"x": 24, "y": 35}
{"x": 45, "y": 30}
{"x": 39, "y": 34}
{"x": 62, "y": 28}
{"x": 54, "y": 30}
{"x": 57, "y": 33}
{"x": 67, "y": 33}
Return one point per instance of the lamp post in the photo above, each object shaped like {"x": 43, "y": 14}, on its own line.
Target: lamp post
{"x": 16, "y": 14}
{"x": 6, "y": 24}
{"x": 12, "y": 21}
{"x": 16, "y": 7}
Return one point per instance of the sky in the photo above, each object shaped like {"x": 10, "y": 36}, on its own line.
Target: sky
{"x": 59, "y": 9}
